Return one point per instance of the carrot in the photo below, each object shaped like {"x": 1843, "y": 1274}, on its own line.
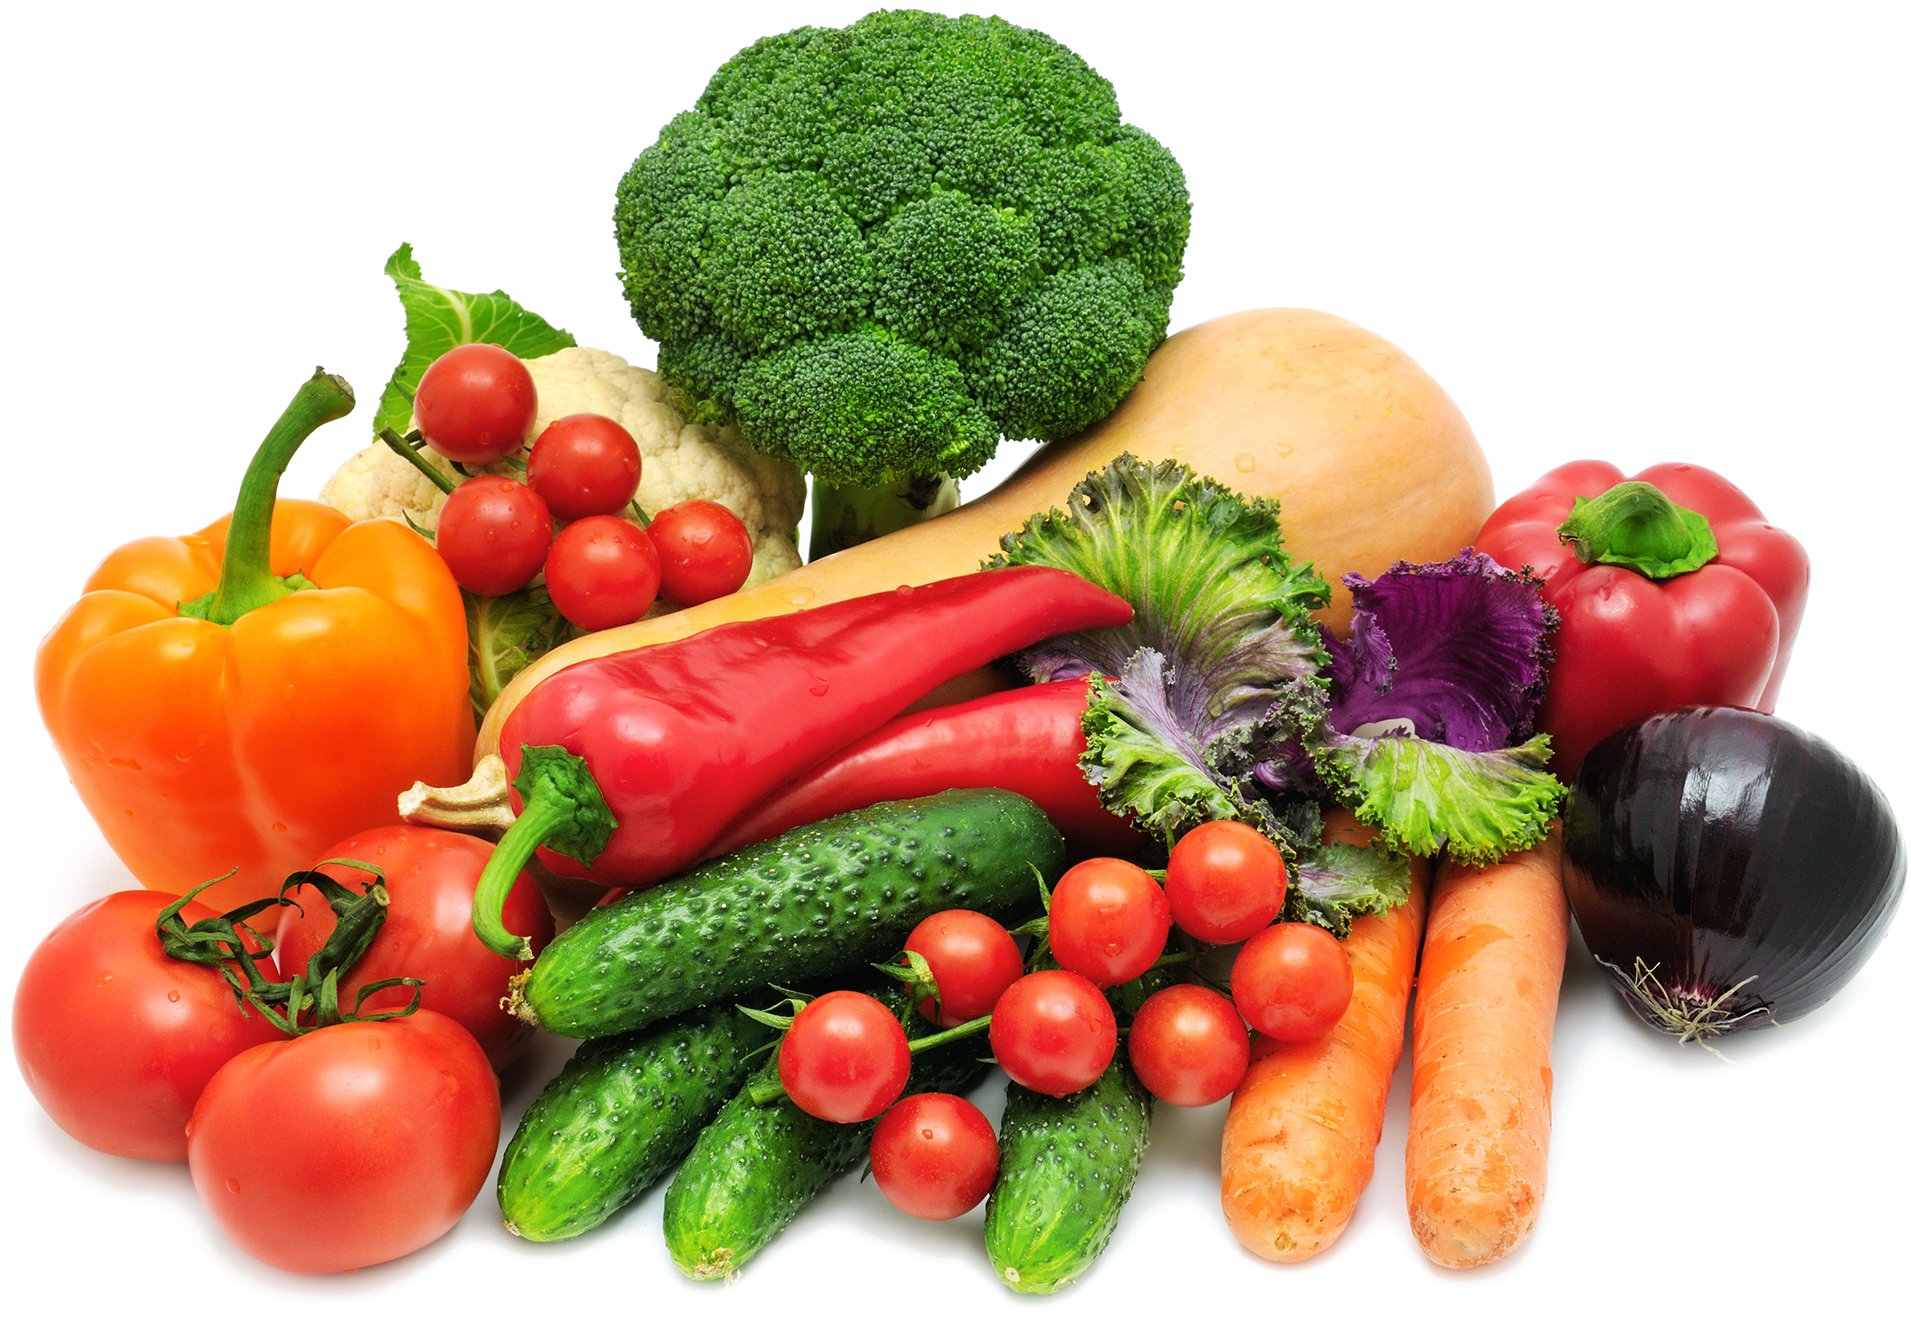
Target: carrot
{"x": 1482, "y": 1054}
{"x": 1298, "y": 1147}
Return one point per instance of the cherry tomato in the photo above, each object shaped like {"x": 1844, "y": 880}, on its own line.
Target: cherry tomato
{"x": 1108, "y": 920}
{"x": 1188, "y": 1045}
{"x": 844, "y": 1059}
{"x": 1292, "y": 981}
{"x": 602, "y": 572}
{"x": 584, "y": 464}
{"x": 347, "y": 1146}
{"x": 934, "y": 1156}
{"x": 1226, "y": 880}
{"x": 431, "y": 877}
{"x": 973, "y": 958}
{"x": 475, "y": 404}
{"x": 705, "y": 551}
{"x": 115, "y": 1039}
{"x": 1053, "y": 1032}
{"x": 494, "y": 533}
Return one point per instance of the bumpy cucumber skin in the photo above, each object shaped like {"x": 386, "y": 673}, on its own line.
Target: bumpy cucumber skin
{"x": 756, "y": 1166}
{"x": 624, "y": 1110}
{"x": 1068, "y": 1167}
{"x": 814, "y": 903}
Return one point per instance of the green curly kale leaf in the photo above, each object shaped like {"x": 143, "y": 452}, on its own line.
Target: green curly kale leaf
{"x": 1221, "y": 658}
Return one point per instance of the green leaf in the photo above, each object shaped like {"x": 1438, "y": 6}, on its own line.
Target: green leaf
{"x": 1337, "y": 882}
{"x": 1213, "y": 590}
{"x": 1424, "y": 795}
{"x": 438, "y": 320}
{"x": 506, "y": 635}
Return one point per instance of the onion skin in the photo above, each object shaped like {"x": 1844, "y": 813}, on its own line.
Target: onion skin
{"x": 1728, "y": 869}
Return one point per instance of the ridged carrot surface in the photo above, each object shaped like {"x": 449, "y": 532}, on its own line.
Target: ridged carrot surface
{"x": 1482, "y": 1056}
{"x": 1298, "y": 1147}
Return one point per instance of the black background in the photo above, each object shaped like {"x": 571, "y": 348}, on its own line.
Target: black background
{"x": 1621, "y": 245}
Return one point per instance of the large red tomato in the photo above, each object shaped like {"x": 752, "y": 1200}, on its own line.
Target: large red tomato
{"x": 115, "y": 1039}
{"x": 351, "y": 1145}
{"x": 431, "y": 876}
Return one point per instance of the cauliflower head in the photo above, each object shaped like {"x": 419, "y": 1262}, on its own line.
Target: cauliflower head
{"x": 683, "y": 460}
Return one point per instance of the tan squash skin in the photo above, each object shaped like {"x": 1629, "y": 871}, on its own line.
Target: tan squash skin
{"x": 1371, "y": 461}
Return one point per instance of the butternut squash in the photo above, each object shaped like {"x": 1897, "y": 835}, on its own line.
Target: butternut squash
{"x": 1370, "y": 459}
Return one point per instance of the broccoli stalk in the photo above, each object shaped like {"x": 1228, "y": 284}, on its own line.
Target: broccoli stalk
{"x": 842, "y": 516}
{"x": 878, "y": 250}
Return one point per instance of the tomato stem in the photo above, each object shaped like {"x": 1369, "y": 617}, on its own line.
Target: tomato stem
{"x": 396, "y": 443}
{"x": 246, "y": 581}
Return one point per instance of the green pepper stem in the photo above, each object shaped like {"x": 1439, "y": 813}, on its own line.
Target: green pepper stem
{"x": 1634, "y": 525}
{"x": 543, "y": 816}
{"x": 246, "y": 581}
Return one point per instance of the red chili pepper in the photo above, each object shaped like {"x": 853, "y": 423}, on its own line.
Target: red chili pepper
{"x": 1671, "y": 587}
{"x": 630, "y": 765}
{"x": 1027, "y": 740}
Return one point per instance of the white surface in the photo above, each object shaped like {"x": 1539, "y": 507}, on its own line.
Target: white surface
{"x": 1602, "y": 1057}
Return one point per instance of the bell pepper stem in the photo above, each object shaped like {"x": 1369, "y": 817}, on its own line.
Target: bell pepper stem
{"x": 246, "y": 581}
{"x": 1634, "y": 525}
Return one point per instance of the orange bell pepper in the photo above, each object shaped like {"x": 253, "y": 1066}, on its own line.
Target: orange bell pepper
{"x": 243, "y": 697}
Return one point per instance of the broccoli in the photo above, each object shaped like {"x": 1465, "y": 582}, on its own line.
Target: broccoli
{"x": 880, "y": 249}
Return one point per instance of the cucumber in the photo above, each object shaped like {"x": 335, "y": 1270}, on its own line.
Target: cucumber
{"x": 624, "y": 1109}
{"x": 756, "y": 1166}
{"x": 1067, "y": 1169}
{"x": 814, "y": 903}
{"x": 1069, "y": 1165}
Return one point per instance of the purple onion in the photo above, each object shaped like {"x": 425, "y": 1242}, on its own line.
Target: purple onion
{"x": 1728, "y": 869}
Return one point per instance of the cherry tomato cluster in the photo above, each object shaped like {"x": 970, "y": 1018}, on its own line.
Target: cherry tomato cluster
{"x": 478, "y": 403}
{"x": 1109, "y": 920}
{"x": 341, "y": 1147}
{"x": 846, "y": 1057}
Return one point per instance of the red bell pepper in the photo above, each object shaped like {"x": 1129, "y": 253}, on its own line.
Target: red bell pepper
{"x": 1671, "y": 587}
{"x": 633, "y": 763}
{"x": 1027, "y": 740}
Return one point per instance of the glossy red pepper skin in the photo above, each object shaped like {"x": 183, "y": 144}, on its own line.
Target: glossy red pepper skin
{"x": 1027, "y": 740}
{"x": 681, "y": 738}
{"x": 1629, "y": 646}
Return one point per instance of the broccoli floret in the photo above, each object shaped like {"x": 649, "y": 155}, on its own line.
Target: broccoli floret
{"x": 882, "y": 248}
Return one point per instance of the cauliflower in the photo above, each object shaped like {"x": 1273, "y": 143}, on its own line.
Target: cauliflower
{"x": 682, "y": 460}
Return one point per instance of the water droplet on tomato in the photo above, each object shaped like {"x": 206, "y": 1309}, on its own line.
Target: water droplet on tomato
{"x": 172, "y": 996}
{"x": 1094, "y": 1026}
{"x": 105, "y": 977}
{"x": 928, "y": 1134}
{"x": 1113, "y": 948}
{"x": 290, "y": 692}
{"x": 232, "y": 1185}
{"x": 280, "y": 826}
{"x": 819, "y": 688}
